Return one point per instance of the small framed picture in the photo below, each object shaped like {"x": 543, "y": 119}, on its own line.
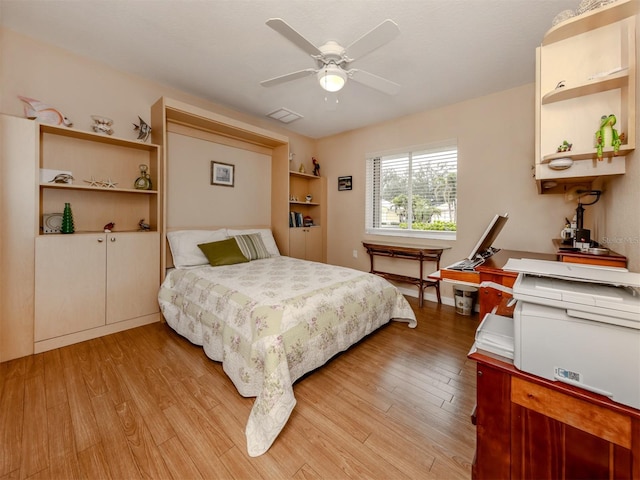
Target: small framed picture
{"x": 222, "y": 174}
{"x": 344, "y": 183}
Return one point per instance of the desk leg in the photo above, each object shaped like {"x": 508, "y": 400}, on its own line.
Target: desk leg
{"x": 420, "y": 285}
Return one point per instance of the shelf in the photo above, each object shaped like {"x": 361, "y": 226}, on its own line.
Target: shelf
{"x": 615, "y": 80}
{"x": 313, "y": 204}
{"x": 304, "y": 175}
{"x": 95, "y": 232}
{"x": 98, "y": 189}
{"x": 591, "y": 20}
{"x": 607, "y": 153}
{"x": 96, "y": 137}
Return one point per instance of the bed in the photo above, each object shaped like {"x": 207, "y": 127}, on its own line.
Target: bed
{"x": 270, "y": 319}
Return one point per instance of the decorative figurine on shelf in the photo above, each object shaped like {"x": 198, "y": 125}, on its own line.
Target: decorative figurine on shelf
{"x": 316, "y": 167}
{"x": 44, "y": 113}
{"x": 301, "y": 169}
{"x": 143, "y": 227}
{"x": 108, "y": 227}
{"x": 308, "y": 198}
{"x": 143, "y": 182}
{"x": 102, "y": 124}
{"x": 607, "y": 136}
{"x": 144, "y": 130}
{"x": 67, "y": 220}
{"x": 62, "y": 178}
{"x": 108, "y": 183}
{"x": 564, "y": 147}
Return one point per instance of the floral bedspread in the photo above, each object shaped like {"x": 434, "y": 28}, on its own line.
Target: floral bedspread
{"x": 271, "y": 321}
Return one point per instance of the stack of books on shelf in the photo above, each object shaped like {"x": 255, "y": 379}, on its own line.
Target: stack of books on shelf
{"x": 295, "y": 219}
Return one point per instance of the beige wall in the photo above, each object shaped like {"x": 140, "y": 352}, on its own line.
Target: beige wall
{"x": 619, "y": 211}
{"x": 81, "y": 87}
{"x": 495, "y": 137}
{"x": 495, "y": 140}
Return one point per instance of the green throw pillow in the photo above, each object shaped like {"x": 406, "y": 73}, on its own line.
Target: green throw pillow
{"x": 252, "y": 246}
{"x": 223, "y": 252}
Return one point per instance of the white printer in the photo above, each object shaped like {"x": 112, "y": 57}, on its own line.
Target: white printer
{"x": 579, "y": 324}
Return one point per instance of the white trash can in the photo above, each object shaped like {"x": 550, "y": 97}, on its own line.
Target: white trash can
{"x": 465, "y": 298}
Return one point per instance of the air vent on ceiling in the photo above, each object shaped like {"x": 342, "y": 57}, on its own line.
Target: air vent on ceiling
{"x": 284, "y": 115}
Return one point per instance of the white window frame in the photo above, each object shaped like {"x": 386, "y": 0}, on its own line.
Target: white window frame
{"x": 371, "y": 190}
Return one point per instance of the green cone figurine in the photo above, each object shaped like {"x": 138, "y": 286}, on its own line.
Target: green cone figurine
{"x": 67, "y": 220}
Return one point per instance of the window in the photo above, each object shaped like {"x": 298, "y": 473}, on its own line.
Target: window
{"x": 413, "y": 193}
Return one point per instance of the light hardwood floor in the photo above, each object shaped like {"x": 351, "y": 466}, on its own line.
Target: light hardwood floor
{"x": 145, "y": 403}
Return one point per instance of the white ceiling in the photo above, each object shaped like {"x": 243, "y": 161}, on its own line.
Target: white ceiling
{"x": 447, "y": 51}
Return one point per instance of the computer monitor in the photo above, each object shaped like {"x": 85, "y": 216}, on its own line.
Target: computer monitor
{"x": 484, "y": 247}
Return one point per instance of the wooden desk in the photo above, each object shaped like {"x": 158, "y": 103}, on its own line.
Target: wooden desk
{"x": 419, "y": 254}
{"x": 491, "y": 271}
{"x": 612, "y": 259}
{"x": 530, "y": 427}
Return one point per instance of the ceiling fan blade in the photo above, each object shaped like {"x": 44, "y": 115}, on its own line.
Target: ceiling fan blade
{"x": 284, "y": 29}
{"x": 383, "y": 33}
{"x": 374, "y": 81}
{"x": 288, "y": 77}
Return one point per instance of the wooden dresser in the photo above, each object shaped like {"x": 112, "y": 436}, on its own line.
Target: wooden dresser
{"x": 529, "y": 427}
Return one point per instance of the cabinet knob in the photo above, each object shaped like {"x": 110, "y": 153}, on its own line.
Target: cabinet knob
{"x": 479, "y": 373}
{"x": 113, "y": 239}
{"x": 100, "y": 240}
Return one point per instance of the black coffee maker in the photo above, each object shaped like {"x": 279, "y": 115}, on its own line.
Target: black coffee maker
{"x": 582, "y": 238}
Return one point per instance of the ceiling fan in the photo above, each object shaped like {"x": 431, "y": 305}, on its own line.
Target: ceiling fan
{"x": 333, "y": 60}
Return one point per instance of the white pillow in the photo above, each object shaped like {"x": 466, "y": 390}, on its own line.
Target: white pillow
{"x": 184, "y": 245}
{"x": 265, "y": 233}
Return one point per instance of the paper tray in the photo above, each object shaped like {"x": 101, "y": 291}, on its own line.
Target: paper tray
{"x": 495, "y": 335}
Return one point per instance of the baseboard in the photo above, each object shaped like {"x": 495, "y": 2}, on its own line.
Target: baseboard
{"x": 65, "y": 340}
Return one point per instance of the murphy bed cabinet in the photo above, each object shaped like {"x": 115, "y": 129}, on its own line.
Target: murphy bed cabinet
{"x": 307, "y": 242}
{"x": 586, "y": 68}
{"x": 532, "y": 428}
{"x": 90, "y": 283}
{"x": 173, "y": 116}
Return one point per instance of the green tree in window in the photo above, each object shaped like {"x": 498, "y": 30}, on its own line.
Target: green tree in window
{"x": 445, "y": 188}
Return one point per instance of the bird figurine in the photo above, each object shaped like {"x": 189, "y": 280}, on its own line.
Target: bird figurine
{"x": 144, "y": 130}
{"x": 44, "y": 113}
{"x": 108, "y": 227}
{"x": 144, "y": 227}
{"x": 316, "y": 167}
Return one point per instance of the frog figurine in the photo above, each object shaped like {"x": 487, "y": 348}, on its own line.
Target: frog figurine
{"x": 607, "y": 136}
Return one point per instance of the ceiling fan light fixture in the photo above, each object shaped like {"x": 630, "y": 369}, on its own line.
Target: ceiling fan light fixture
{"x": 332, "y": 78}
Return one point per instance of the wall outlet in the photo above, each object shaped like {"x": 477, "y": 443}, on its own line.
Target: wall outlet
{"x": 355, "y": 254}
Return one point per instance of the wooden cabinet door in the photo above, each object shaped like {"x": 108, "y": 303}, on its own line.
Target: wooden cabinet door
{"x": 70, "y": 284}
{"x": 493, "y": 424}
{"x": 313, "y": 244}
{"x": 306, "y": 243}
{"x": 133, "y": 275}
{"x": 297, "y": 243}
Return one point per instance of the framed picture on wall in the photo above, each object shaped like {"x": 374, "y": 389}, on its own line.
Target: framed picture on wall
{"x": 222, "y": 174}
{"x": 344, "y": 183}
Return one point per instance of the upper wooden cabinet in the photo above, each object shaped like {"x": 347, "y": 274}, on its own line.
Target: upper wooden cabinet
{"x": 586, "y": 68}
